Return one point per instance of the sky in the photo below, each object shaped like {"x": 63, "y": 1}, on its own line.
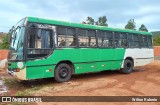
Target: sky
{"x": 118, "y": 12}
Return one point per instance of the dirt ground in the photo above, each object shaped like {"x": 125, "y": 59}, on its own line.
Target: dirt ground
{"x": 144, "y": 81}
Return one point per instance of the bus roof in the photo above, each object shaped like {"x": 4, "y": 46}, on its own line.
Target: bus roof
{"x": 63, "y": 23}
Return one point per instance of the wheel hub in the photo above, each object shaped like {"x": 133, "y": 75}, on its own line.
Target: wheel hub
{"x": 63, "y": 73}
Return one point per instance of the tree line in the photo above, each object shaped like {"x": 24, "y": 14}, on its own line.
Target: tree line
{"x": 102, "y": 21}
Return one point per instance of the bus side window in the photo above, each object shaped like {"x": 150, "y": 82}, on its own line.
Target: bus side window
{"x": 32, "y": 37}
{"x": 123, "y": 40}
{"x": 40, "y": 42}
{"x": 83, "y": 38}
{"x": 149, "y": 39}
{"x": 109, "y": 37}
{"x": 62, "y": 42}
{"x": 105, "y": 39}
{"x": 101, "y": 35}
{"x": 143, "y": 41}
{"x": 66, "y": 37}
{"x": 130, "y": 42}
{"x": 61, "y": 32}
{"x": 117, "y": 39}
{"x": 71, "y": 37}
{"x": 136, "y": 41}
{"x": 92, "y": 38}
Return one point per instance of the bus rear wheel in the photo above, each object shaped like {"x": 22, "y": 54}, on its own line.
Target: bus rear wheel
{"x": 127, "y": 67}
{"x": 62, "y": 73}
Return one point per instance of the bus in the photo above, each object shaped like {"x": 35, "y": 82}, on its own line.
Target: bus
{"x": 43, "y": 48}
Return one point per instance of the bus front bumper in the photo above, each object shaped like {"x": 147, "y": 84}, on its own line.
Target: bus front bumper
{"x": 20, "y": 75}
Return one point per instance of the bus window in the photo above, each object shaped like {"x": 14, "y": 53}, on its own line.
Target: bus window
{"x": 123, "y": 40}
{"x": 130, "y": 42}
{"x": 32, "y": 37}
{"x": 40, "y": 42}
{"x": 40, "y": 38}
{"x": 101, "y": 35}
{"x": 47, "y": 39}
{"x": 71, "y": 37}
{"x": 117, "y": 39}
{"x": 83, "y": 38}
{"x": 120, "y": 39}
{"x": 143, "y": 41}
{"x": 66, "y": 37}
{"x": 92, "y": 38}
{"x": 61, "y": 31}
{"x": 149, "y": 39}
{"x": 105, "y": 39}
{"x": 136, "y": 41}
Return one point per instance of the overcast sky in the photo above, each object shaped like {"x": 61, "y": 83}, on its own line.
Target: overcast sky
{"x": 118, "y": 12}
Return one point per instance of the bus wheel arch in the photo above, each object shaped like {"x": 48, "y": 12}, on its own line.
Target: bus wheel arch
{"x": 128, "y": 65}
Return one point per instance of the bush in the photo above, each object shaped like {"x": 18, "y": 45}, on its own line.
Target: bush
{"x": 5, "y": 44}
{"x": 156, "y": 41}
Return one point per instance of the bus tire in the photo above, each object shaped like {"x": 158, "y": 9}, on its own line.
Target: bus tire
{"x": 62, "y": 73}
{"x": 127, "y": 67}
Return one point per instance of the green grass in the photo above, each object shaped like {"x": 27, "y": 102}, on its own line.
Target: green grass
{"x": 23, "y": 89}
{"x": 27, "y": 92}
{"x": 12, "y": 83}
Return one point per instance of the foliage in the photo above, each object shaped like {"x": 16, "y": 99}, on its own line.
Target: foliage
{"x": 131, "y": 25}
{"x": 156, "y": 38}
{"x": 102, "y": 21}
{"x": 90, "y": 20}
{"x": 143, "y": 28}
{"x": 12, "y": 83}
{"x": 156, "y": 41}
{"x": 5, "y": 44}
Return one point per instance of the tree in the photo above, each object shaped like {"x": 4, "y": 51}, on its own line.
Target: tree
{"x": 143, "y": 28}
{"x": 5, "y": 44}
{"x": 102, "y": 21}
{"x": 156, "y": 41}
{"x": 131, "y": 25}
{"x": 5, "y": 39}
{"x": 90, "y": 20}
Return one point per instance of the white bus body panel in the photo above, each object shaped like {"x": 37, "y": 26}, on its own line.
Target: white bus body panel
{"x": 141, "y": 56}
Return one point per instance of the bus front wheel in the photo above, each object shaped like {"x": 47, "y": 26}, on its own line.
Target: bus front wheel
{"x": 62, "y": 73}
{"x": 127, "y": 67}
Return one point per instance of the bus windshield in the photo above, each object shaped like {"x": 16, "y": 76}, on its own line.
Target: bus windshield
{"x": 16, "y": 46}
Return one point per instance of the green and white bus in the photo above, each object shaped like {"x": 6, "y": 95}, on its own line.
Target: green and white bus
{"x": 42, "y": 48}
